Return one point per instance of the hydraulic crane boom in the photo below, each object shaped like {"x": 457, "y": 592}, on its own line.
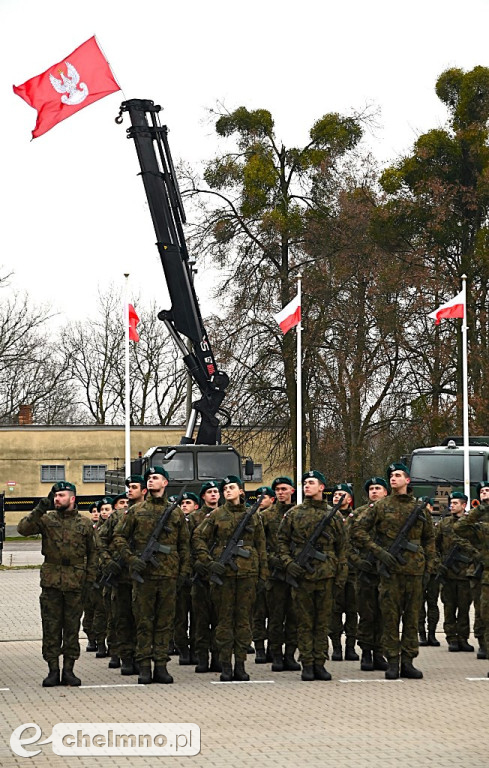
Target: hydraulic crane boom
{"x": 184, "y": 318}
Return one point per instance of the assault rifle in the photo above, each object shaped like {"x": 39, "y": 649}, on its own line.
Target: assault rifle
{"x": 109, "y": 579}
{"x": 309, "y": 551}
{"x": 234, "y": 547}
{"x": 152, "y": 545}
{"x": 454, "y": 556}
{"x": 401, "y": 543}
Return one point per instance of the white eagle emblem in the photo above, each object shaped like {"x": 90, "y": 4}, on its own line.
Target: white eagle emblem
{"x": 68, "y": 86}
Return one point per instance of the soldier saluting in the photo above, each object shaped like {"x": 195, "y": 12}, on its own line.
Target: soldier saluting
{"x": 69, "y": 560}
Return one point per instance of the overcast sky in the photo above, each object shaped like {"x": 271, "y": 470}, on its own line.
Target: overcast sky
{"x": 74, "y": 212}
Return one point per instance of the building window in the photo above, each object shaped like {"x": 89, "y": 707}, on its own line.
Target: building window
{"x": 94, "y": 473}
{"x": 257, "y": 475}
{"x": 52, "y": 473}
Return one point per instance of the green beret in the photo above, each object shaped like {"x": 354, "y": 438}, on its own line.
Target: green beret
{"x": 207, "y": 486}
{"x": 105, "y": 500}
{"x": 63, "y": 486}
{"x": 230, "y": 479}
{"x": 136, "y": 479}
{"x": 480, "y": 486}
{"x": 283, "y": 480}
{"x": 120, "y": 496}
{"x": 191, "y": 496}
{"x": 375, "y": 481}
{"x": 315, "y": 473}
{"x": 265, "y": 490}
{"x": 397, "y": 465}
{"x": 344, "y": 488}
{"x": 156, "y": 471}
{"x": 459, "y": 495}
{"x": 427, "y": 500}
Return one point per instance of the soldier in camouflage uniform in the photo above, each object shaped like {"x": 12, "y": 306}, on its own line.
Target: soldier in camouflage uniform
{"x": 369, "y": 631}
{"x": 88, "y": 604}
{"x": 282, "y": 622}
{"x": 345, "y": 600}
{"x": 203, "y": 609}
{"x": 400, "y": 593}
{"x": 154, "y": 599}
{"x": 184, "y": 629}
{"x": 260, "y": 608}
{"x": 455, "y": 590}
{"x": 69, "y": 562}
{"x": 430, "y": 596}
{"x": 103, "y": 627}
{"x": 313, "y": 597}
{"x": 234, "y": 598}
{"x": 474, "y": 571}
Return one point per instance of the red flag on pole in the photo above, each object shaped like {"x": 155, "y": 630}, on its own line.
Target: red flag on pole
{"x": 77, "y": 81}
{"x": 453, "y": 308}
{"x": 133, "y": 321}
{"x": 290, "y": 315}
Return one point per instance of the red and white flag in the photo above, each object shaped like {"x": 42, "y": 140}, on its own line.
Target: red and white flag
{"x": 453, "y": 308}
{"x": 133, "y": 321}
{"x": 77, "y": 81}
{"x": 290, "y": 315}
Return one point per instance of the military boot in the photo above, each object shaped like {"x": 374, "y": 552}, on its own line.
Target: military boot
{"x": 203, "y": 663}
{"x": 453, "y": 646}
{"x": 227, "y": 672}
{"x": 290, "y": 664}
{"x": 481, "y": 653}
{"x": 392, "y": 671}
{"x": 250, "y": 649}
{"x": 432, "y": 638}
{"x": 102, "y": 651}
{"x": 367, "y": 663}
{"x": 145, "y": 677}
{"x": 184, "y": 656}
{"x": 337, "y": 654}
{"x": 91, "y": 645}
{"x": 307, "y": 673}
{"x": 269, "y": 654}
{"x": 172, "y": 649}
{"x": 215, "y": 665}
{"x": 53, "y": 678}
{"x": 423, "y": 640}
{"x": 278, "y": 662}
{"x": 114, "y": 662}
{"x": 127, "y": 666}
{"x": 350, "y": 652}
{"x": 320, "y": 673}
{"x": 380, "y": 662}
{"x": 463, "y": 645}
{"x": 260, "y": 655}
{"x": 68, "y": 677}
{"x": 240, "y": 672}
{"x": 161, "y": 675}
{"x": 407, "y": 670}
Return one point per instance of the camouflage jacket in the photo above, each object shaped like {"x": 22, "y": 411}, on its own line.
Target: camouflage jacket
{"x": 107, "y": 550}
{"x": 296, "y": 528}
{"x": 216, "y": 529}
{"x": 475, "y": 528}
{"x": 133, "y": 531}
{"x": 272, "y": 518}
{"x": 67, "y": 545}
{"x": 377, "y": 527}
{"x": 352, "y": 555}
{"x": 445, "y": 538}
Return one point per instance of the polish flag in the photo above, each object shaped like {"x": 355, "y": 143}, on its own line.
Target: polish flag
{"x": 290, "y": 315}
{"x": 453, "y": 308}
{"x": 133, "y": 321}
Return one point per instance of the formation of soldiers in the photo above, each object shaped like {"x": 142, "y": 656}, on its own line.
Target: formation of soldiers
{"x": 206, "y": 575}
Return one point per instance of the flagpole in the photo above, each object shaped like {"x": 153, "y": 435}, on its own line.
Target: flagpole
{"x": 465, "y": 393}
{"x": 127, "y": 451}
{"x": 299, "y": 396}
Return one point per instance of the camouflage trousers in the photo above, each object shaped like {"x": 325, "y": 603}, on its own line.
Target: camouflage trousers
{"x": 400, "y": 599}
{"x": 282, "y": 622}
{"x": 369, "y": 632}
{"x": 103, "y": 620}
{"x": 233, "y": 601}
{"x": 484, "y": 604}
{"x": 475, "y": 589}
{"x": 183, "y": 630}
{"x": 456, "y": 599}
{"x": 88, "y": 612}
{"x": 204, "y": 618}
{"x": 429, "y": 606}
{"x": 60, "y": 615}
{"x": 345, "y": 602}
{"x": 153, "y": 606}
{"x": 124, "y": 622}
{"x": 260, "y": 614}
{"x": 313, "y": 601}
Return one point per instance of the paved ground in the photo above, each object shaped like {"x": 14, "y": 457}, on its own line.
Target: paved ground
{"x": 434, "y": 723}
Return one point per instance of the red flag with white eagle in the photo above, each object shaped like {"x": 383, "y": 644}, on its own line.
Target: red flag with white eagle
{"x": 453, "y": 308}
{"x": 290, "y": 315}
{"x": 133, "y": 321}
{"x": 75, "y": 82}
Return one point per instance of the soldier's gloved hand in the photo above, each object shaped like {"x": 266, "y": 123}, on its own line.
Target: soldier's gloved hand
{"x": 275, "y": 562}
{"x": 51, "y": 497}
{"x": 201, "y": 569}
{"x": 44, "y": 505}
{"x": 295, "y": 570}
{"x": 218, "y": 568}
{"x": 339, "y": 586}
{"x": 426, "y": 579}
{"x": 112, "y": 568}
{"x": 365, "y": 565}
{"x": 137, "y": 565}
{"x": 442, "y": 571}
{"x": 385, "y": 557}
